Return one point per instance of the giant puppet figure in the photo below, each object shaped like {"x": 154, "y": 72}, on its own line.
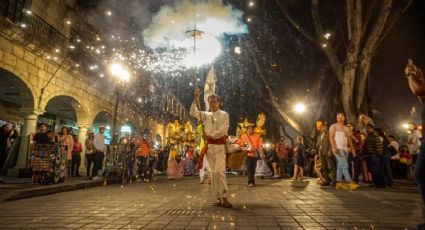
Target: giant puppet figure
{"x": 175, "y": 138}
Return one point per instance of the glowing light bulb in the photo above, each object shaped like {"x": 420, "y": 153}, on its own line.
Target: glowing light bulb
{"x": 299, "y": 108}
{"x": 327, "y": 36}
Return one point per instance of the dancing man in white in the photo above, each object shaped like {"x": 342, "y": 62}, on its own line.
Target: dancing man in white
{"x": 215, "y": 135}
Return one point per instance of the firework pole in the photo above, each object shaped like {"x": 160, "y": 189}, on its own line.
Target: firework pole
{"x": 195, "y": 33}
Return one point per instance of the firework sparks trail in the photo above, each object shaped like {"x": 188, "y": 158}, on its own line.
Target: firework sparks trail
{"x": 173, "y": 49}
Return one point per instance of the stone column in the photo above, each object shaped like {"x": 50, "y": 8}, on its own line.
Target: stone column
{"x": 82, "y": 135}
{"x": 58, "y": 126}
{"x": 30, "y": 121}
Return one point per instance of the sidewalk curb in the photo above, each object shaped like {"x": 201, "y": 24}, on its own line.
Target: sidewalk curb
{"x": 52, "y": 189}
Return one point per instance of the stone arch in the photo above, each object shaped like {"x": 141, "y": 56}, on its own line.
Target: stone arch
{"x": 98, "y": 111}
{"x": 15, "y": 90}
{"x": 102, "y": 117}
{"x": 65, "y": 108}
{"x": 128, "y": 128}
{"x": 82, "y": 109}
{"x": 158, "y": 141}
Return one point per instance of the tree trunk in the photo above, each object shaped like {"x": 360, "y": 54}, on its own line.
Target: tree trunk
{"x": 347, "y": 91}
{"x": 298, "y": 127}
{"x": 361, "y": 84}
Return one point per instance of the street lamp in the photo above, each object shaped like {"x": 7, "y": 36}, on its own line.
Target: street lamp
{"x": 120, "y": 72}
{"x": 117, "y": 70}
{"x": 299, "y": 108}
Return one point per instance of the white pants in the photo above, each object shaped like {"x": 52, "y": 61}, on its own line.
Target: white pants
{"x": 204, "y": 168}
{"x": 216, "y": 157}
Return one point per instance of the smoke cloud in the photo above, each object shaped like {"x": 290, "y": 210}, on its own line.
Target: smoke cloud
{"x": 168, "y": 26}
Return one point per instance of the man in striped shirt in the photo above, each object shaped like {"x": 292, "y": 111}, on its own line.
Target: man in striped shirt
{"x": 143, "y": 157}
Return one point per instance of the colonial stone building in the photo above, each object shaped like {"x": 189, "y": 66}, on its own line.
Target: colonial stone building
{"x": 41, "y": 76}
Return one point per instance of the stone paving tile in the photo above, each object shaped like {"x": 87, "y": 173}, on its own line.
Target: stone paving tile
{"x": 184, "y": 204}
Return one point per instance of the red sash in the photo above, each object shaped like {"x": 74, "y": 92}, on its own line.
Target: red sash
{"x": 200, "y": 161}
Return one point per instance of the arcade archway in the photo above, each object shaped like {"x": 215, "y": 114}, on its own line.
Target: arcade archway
{"x": 63, "y": 111}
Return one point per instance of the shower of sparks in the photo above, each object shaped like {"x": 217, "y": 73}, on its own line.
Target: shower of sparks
{"x": 159, "y": 61}
{"x": 170, "y": 60}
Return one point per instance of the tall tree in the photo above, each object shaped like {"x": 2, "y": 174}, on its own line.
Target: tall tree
{"x": 349, "y": 48}
{"x": 278, "y": 66}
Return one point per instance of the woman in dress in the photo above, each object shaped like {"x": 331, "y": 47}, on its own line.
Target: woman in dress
{"x": 175, "y": 165}
{"x": 172, "y": 164}
{"x": 64, "y": 160}
{"x": 299, "y": 158}
{"x": 41, "y": 156}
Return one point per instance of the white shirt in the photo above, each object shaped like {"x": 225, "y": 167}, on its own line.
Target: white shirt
{"x": 216, "y": 123}
{"x": 395, "y": 145}
{"x": 99, "y": 142}
{"x": 414, "y": 142}
{"x": 341, "y": 136}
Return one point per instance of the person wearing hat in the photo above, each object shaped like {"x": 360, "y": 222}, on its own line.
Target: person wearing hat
{"x": 215, "y": 135}
{"x": 254, "y": 152}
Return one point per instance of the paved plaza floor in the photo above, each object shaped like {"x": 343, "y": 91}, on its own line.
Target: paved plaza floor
{"x": 186, "y": 204}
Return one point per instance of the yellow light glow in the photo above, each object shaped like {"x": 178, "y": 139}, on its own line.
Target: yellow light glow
{"x": 299, "y": 108}
{"x": 119, "y": 71}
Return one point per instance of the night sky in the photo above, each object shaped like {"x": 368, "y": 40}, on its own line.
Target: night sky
{"x": 297, "y": 60}
{"x": 388, "y": 86}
